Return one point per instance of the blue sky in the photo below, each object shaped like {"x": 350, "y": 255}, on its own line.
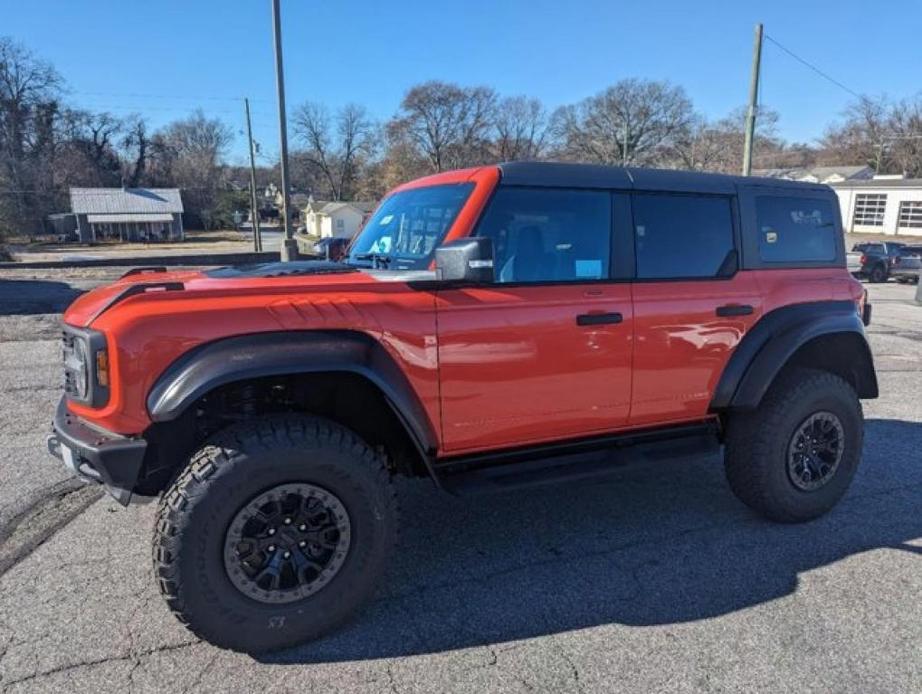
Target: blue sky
{"x": 165, "y": 58}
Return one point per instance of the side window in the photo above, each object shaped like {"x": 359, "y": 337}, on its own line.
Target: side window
{"x": 679, "y": 236}
{"x": 795, "y": 229}
{"x": 548, "y": 235}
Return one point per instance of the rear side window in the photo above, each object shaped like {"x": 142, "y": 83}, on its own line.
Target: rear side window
{"x": 544, "y": 235}
{"x": 795, "y": 229}
{"x": 682, "y": 236}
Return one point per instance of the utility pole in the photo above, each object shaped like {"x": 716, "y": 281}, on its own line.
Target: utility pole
{"x": 753, "y": 102}
{"x": 289, "y": 249}
{"x": 624, "y": 149}
{"x": 254, "y": 200}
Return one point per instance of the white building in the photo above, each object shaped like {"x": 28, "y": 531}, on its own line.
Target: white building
{"x": 339, "y": 219}
{"x": 883, "y": 205}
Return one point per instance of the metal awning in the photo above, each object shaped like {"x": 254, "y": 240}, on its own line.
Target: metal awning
{"x": 118, "y": 218}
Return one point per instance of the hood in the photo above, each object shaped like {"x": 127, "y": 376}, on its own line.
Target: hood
{"x": 270, "y": 278}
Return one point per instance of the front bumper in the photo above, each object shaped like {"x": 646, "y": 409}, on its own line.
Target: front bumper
{"x": 96, "y": 455}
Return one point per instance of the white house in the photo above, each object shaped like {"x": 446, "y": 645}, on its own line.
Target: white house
{"x": 339, "y": 219}
{"x": 882, "y": 205}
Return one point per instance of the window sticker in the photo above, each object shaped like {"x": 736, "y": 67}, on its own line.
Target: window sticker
{"x": 589, "y": 268}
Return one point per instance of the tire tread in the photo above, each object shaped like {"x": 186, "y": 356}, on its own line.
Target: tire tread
{"x": 216, "y": 457}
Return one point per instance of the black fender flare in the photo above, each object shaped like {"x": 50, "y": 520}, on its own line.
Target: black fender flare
{"x": 257, "y": 355}
{"x": 777, "y": 336}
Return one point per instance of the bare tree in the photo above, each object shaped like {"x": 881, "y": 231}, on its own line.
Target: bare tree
{"x": 861, "y": 137}
{"x": 448, "y": 124}
{"x": 521, "y": 126}
{"x": 29, "y": 92}
{"x": 631, "y": 122}
{"x": 188, "y": 153}
{"x": 718, "y": 145}
{"x": 93, "y": 137}
{"x": 336, "y": 147}
{"x": 134, "y": 149}
{"x": 903, "y": 141}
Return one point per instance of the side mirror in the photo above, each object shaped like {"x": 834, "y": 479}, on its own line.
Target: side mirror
{"x": 466, "y": 260}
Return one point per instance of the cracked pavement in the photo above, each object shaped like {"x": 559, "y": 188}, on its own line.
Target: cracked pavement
{"x": 654, "y": 579}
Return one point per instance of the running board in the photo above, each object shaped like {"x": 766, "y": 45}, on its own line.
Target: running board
{"x": 549, "y": 464}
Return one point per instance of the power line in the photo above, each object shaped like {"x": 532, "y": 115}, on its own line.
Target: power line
{"x": 168, "y": 109}
{"x": 816, "y": 69}
{"x": 174, "y": 97}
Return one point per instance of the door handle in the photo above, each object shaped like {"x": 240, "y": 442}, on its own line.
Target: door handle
{"x": 599, "y": 318}
{"x": 734, "y": 310}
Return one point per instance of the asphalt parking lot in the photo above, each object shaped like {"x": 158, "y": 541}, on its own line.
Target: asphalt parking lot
{"x": 651, "y": 580}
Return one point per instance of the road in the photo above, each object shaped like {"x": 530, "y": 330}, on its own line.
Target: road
{"x": 652, "y": 580}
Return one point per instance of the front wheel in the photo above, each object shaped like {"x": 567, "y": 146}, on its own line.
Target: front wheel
{"x": 276, "y": 532}
{"x": 794, "y": 457}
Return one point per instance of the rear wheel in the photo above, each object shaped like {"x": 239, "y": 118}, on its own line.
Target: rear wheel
{"x": 794, "y": 457}
{"x": 878, "y": 274}
{"x": 275, "y": 533}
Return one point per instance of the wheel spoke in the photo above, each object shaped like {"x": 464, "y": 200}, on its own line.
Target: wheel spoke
{"x": 815, "y": 451}
{"x": 303, "y": 562}
{"x": 273, "y": 570}
{"x": 271, "y": 559}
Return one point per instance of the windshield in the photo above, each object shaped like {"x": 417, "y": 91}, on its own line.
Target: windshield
{"x": 406, "y": 228}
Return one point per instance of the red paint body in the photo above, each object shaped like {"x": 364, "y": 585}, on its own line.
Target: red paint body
{"x": 493, "y": 366}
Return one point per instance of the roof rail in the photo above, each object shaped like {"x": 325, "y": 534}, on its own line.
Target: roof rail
{"x": 143, "y": 271}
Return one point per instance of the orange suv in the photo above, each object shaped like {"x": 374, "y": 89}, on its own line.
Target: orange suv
{"x": 489, "y": 328}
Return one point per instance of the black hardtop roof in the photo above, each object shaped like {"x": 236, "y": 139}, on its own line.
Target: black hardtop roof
{"x": 565, "y": 175}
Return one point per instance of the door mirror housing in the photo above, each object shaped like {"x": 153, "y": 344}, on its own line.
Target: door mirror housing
{"x": 466, "y": 260}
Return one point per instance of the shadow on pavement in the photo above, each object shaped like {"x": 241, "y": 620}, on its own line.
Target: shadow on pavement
{"x": 646, "y": 547}
{"x": 30, "y": 297}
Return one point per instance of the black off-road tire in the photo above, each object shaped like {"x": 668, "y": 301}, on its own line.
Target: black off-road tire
{"x": 222, "y": 477}
{"x": 757, "y": 444}
{"x": 878, "y": 274}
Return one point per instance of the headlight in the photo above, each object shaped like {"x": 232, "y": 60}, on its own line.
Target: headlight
{"x": 76, "y": 369}
{"x": 86, "y": 366}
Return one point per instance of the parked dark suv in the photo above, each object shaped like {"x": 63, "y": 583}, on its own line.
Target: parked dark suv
{"x": 879, "y": 261}
{"x": 490, "y": 328}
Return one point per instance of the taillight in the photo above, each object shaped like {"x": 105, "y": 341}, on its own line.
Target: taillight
{"x": 864, "y": 259}
{"x": 863, "y": 307}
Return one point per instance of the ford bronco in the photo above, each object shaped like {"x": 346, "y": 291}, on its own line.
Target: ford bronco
{"x": 489, "y": 328}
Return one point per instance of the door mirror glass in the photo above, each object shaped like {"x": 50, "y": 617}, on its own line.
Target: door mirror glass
{"x": 465, "y": 260}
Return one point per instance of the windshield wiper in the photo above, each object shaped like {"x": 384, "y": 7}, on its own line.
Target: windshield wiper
{"x": 378, "y": 260}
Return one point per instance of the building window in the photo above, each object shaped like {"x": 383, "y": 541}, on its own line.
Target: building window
{"x": 869, "y": 209}
{"x": 911, "y": 214}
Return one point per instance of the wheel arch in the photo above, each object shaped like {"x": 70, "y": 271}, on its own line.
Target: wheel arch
{"x": 214, "y": 365}
{"x": 825, "y": 335}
